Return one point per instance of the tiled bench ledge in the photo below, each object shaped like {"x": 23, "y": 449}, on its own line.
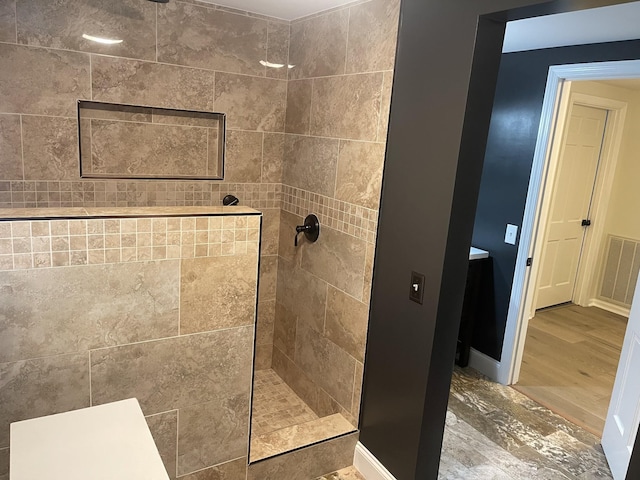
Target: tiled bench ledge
{"x": 7, "y": 214}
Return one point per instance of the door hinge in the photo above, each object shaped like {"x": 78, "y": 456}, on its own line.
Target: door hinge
{"x": 529, "y": 261}
{"x": 586, "y": 223}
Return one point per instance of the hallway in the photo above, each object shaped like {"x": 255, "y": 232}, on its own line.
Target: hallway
{"x": 495, "y": 432}
{"x": 570, "y": 361}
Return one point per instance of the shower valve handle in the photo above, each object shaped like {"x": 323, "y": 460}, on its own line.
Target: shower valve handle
{"x": 311, "y": 229}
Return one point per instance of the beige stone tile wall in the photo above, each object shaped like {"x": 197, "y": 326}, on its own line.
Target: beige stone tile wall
{"x": 202, "y": 58}
{"x": 336, "y": 123}
{"x": 171, "y": 324}
{"x": 181, "y": 55}
{"x": 299, "y": 141}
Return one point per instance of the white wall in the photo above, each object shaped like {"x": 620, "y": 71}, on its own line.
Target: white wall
{"x": 622, "y": 216}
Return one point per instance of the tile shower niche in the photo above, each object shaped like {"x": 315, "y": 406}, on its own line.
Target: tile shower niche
{"x": 128, "y": 141}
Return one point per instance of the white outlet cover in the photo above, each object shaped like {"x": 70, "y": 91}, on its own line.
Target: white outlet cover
{"x": 511, "y": 234}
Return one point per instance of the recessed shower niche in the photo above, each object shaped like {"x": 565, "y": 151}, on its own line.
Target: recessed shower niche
{"x": 129, "y": 141}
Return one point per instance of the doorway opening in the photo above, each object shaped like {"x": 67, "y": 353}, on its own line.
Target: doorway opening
{"x": 583, "y": 289}
{"x": 594, "y": 248}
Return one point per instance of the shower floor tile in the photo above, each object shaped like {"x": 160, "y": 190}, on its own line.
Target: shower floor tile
{"x": 275, "y": 405}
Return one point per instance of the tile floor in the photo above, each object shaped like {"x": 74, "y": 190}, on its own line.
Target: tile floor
{"x": 349, "y": 473}
{"x": 282, "y": 422}
{"x": 275, "y": 405}
{"x": 495, "y": 432}
{"x": 492, "y": 433}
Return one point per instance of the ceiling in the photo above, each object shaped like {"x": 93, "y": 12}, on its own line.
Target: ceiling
{"x": 284, "y": 9}
{"x": 605, "y": 24}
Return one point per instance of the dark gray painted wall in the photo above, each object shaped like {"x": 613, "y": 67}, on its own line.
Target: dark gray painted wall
{"x": 511, "y": 144}
{"x": 430, "y": 189}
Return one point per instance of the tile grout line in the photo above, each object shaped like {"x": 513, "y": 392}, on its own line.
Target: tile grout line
{"x": 22, "y": 146}
{"x": 346, "y": 47}
{"x": 15, "y": 18}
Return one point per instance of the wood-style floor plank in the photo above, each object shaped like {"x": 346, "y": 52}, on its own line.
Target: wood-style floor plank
{"x": 570, "y": 360}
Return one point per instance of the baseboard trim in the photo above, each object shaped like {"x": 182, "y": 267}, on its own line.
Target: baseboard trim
{"x": 609, "y": 307}
{"x": 369, "y": 466}
{"x": 484, "y": 364}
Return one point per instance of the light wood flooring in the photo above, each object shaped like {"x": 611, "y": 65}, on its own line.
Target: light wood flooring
{"x": 570, "y": 361}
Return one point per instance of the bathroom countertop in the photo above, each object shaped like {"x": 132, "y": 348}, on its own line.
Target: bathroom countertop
{"x": 120, "y": 212}
{"x": 104, "y": 442}
{"x": 477, "y": 253}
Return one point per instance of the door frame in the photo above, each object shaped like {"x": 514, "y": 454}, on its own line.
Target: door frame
{"x": 587, "y": 272}
{"x": 520, "y": 303}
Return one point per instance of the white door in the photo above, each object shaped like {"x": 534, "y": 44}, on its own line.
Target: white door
{"x": 621, "y": 426}
{"x": 570, "y": 205}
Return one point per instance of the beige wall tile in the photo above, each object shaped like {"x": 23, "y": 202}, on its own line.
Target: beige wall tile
{"x": 284, "y": 330}
{"x": 302, "y": 293}
{"x": 61, "y": 24}
{"x": 264, "y": 327}
{"x": 310, "y": 462}
{"x": 357, "y": 390}
{"x": 278, "y": 49}
{"x": 10, "y": 148}
{"x": 337, "y": 258}
{"x": 218, "y": 292}
{"x": 243, "y": 162}
{"x": 310, "y": 163}
{"x": 234, "y": 470}
{"x": 373, "y": 31}
{"x": 295, "y": 378}
{"x": 263, "y": 356}
{"x": 318, "y": 46}
{"x": 287, "y": 249}
{"x": 316, "y": 398}
{"x": 368, "y": 273}
{"x": 272, "y": 157}
{"x": 346, "y": 106}
{"x": 202, "y": 37}
{"x": 251, "y": 103}
{"x": 299, "y": 106}
{"x": 126, "y": 149}
{"x": 164, "y": 429}
{"x": 4, "y": 464}
{"x": 360, "y": 173}
{"x": 213, "y": 432}
{"x": 326, "y": 364}
{"x": 33, "y": 388}
{"x": 383, "y": 125}
{"x": 346, "y": 323}
{"x": 7, "y": 28}
{"x": 42, "y": 82}
{"x": 150, "y": 84}
{"x": 64, "y": 310}
{"x": 50, "y": 148}
{"x": 270, "y": 231}
{"x": 268, "y": 278}
{"x": 176, "y": 372}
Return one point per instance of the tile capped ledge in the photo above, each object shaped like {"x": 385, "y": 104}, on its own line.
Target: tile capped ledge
{"x": 119, "y": 212}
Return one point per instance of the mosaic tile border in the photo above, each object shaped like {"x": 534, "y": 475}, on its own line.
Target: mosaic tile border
{"x": 31, "y": 244}
{"x": 349, "y": 218}
{"x": 120, "y": 193}
{"x": 354, "y": 220}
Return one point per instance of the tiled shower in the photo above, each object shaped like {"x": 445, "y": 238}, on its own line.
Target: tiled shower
{"x": 305, "y": 139}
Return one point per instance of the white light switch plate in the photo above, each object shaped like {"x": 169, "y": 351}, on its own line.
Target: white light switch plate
{"x": 511, "y": 234}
